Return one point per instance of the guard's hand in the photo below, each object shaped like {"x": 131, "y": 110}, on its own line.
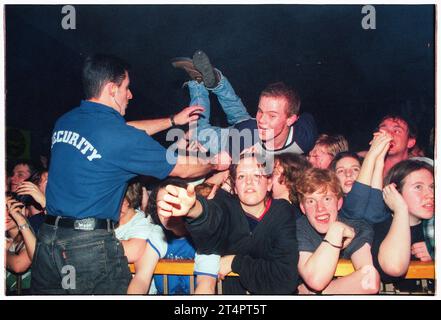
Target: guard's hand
{"x": 188, "y": 114}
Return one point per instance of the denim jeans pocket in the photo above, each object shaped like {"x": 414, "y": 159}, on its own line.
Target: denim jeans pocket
{"x": 85, "y": 262}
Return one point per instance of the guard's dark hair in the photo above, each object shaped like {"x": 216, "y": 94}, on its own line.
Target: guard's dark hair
{"x": 100, "y": 69}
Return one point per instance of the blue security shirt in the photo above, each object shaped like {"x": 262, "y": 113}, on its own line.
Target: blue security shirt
{"x": 93, "y": 155}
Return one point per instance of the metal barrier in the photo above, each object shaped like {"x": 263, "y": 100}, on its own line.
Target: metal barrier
{"x": 417, "y": 270}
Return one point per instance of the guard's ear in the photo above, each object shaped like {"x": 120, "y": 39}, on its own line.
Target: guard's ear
{"x": 111, "y": 88}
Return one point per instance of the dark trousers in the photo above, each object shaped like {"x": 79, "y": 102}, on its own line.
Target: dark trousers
{"x": 68, "y": 261}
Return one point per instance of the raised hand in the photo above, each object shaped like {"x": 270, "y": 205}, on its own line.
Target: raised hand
{"x": 176, "y": 201}
{"x": 188, "y": 114}
{"x": 16, "y": 210}
{"x": 31, "y": 189}
{"x": 393, "y": 199}
{"x": 380, "y": 144}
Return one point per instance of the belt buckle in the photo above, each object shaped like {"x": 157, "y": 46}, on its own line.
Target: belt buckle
{"x": 87, "y": 224}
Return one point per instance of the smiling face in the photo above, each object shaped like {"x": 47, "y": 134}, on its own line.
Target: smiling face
{"x": 347, "y": 170}
{"x": 273, "y": 121}
{"x": 321, "y": 209}
{"x": 251, "y": 184}
{"x": 418, "y": 192}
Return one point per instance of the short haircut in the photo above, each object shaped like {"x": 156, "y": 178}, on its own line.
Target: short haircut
{"x": 32, "y": 166}
{"x": 152, "y": 207}
{"x": 134, "y": 194}
{"x": 281, "y": 90}
{"x": 333, "y": 143}
{"x": 100, "y": 69}
{"x": 342, "y": 155}
{"x": 315, "y": 179}
{"x": 398, "y": 173}
{"x": 411, "y": 127}
{"x": 293, "y": 166}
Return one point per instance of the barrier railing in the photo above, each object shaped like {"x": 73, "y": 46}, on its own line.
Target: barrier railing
{"x": 417, "y": 270}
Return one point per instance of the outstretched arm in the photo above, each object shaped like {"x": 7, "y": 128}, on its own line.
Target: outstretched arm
{"x": 179, "y": 202}
{"x": 153, "y": 126}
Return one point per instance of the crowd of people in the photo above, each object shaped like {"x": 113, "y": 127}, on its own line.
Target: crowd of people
{"x": 267, "y": 198}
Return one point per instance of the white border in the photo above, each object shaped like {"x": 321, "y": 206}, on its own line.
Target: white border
{"x": 207, "y": 297}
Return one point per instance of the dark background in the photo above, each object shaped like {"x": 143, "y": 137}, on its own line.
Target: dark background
{"x": 348, "y": 77}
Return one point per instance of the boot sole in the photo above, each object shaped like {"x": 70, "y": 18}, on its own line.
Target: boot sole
{"x": 203, "y": 65}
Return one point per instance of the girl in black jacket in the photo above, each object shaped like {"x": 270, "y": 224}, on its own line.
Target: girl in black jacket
{"x": 254, "y": 234}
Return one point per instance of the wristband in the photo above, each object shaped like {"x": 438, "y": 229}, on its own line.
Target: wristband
{"x": 172, "y": 120}
{"x": 23, "y": 226}
{"x": 333, "y": 245}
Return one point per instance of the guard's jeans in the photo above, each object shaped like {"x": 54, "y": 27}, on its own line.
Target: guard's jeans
{"x": 68, "y": 261}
